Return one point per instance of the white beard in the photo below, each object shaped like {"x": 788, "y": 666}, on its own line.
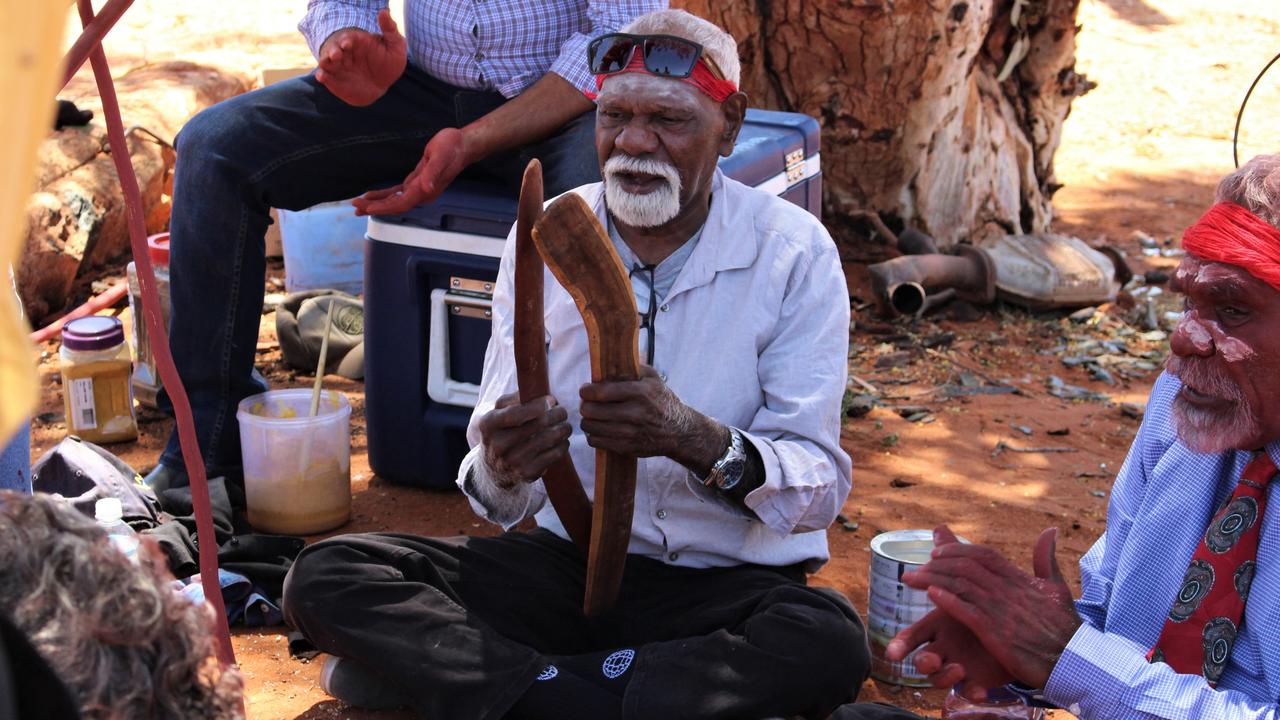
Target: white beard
{"x": 642, "y": 210}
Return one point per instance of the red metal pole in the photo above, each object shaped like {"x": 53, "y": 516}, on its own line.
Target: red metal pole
{"x": 205, "y": 535}
{"x": 91, "y": 37}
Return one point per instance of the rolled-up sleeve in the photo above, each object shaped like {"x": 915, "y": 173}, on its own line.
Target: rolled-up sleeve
{"x": 803, "y": 370}
{"x": 603, "y": 17}
{"x": 325, "y": 17}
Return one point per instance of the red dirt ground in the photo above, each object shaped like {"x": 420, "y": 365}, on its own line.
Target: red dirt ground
{"x": 1140, "y": 153}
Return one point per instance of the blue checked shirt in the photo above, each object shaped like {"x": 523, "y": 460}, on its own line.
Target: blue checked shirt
{"x": 500, "y": 45}
{"x": 1161, "y": 504}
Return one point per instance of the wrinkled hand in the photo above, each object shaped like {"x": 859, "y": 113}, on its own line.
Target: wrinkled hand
{"x": 1024, "y": 622}
{"x": 949, "y": 653}
{"x": 442, "y": 159}
{"x": 642, "y": 418}
{"x": 521, "y": 440}
{"x": 359, "y": 66}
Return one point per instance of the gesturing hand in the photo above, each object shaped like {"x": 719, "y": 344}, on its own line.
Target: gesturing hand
{"x": 359, "y": 66}
{"x": 442, "y": 159}
{"x": 644, "y": 418}
{"x": 1024, "y": 622}
{"x": 522, "y": 440}
{"x": 949, "y": 652}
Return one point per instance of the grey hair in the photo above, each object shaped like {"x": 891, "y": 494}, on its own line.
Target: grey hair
{"x": 1256, "y": 187}
{"x": 716, "y": 43}
{"x": 124, "y": 642}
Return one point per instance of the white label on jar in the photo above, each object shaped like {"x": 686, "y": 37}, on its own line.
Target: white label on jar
{"x": 84, "y": 414}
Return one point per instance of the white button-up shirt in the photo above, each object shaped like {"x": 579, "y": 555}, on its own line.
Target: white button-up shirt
{"x": 754, "y": 333}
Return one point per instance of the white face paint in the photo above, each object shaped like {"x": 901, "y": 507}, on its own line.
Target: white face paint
{"x": 642, "y": 210}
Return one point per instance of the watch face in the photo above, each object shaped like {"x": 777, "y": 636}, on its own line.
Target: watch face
{"x": 732, "y": 473}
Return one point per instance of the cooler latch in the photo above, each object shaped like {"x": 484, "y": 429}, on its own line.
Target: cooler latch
{"x": 463, "y": 294}
{"x": 795, "y": 166}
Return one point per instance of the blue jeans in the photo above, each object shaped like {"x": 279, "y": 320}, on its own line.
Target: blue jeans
{"x": 293, "y": 145}
{"x": 15, "y": 462}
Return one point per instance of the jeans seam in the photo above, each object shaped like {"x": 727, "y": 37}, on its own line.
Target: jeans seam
{"x": 224, "y": 376}
{"x": 316, "y": 149}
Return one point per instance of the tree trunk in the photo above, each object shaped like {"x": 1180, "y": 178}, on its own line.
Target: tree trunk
{"x": 917, "y": 124}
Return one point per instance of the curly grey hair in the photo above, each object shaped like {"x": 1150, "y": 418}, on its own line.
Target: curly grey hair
{"x": 1256, "y": 187}
{"x": 117, "y": 634}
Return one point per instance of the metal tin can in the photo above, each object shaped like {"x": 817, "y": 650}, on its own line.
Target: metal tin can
{"x": 892, "y": 606}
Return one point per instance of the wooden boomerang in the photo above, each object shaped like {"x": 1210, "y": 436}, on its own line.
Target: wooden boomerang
{"x": 564, "y": 488}
{"x": 582, "y": 257}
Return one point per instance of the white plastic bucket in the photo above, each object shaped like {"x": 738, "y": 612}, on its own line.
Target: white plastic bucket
{"x": 892, "y": 606}
{"x": 297, "y": 469}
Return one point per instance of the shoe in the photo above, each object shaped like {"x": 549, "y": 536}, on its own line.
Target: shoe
{"x": 164, "y": 477}
{"x": 354, "y": 684}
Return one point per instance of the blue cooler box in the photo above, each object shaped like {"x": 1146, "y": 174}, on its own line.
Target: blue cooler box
{"x": 428, "y": 287}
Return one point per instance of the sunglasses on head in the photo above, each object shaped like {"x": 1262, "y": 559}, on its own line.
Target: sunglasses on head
{"x": 665, "y": 55}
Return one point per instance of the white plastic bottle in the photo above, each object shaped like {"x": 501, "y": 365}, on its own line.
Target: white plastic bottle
{"x": 110, "y": 515}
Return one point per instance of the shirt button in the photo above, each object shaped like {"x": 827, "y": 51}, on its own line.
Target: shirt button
{"x": 665, "y": 307}
{"x": 673, "y": 557}
{"x": 662, "y": 514}
{"x": 663, "y": 376}
{"x": 479, "y": 56}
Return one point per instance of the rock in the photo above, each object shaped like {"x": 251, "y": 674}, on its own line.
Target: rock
{"x": 893, "y": 359}
{"x": 1082, "y": 315}
{"x": 901, "y": 483}
{"x": 1023, "y": 429}
{"x": 1059, "y": 432}
{"x": 1145, "y": 240}
{"x": 889, "y": 440}
{"x": 76, "y": 221}
{"x": 858, "y": 405}
{"x": 1132, "y": 410}
{"x": 906, "y": 411}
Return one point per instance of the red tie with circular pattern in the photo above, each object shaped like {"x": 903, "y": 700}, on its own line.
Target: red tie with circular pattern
{"x": 1202, "y": 626}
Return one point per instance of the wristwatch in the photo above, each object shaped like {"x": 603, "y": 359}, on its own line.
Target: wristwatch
{"x": 727, "y": 472}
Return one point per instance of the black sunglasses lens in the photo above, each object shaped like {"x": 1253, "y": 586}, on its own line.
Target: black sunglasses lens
{"x": 672, "y": 57}
{"x": 611, "y": 54}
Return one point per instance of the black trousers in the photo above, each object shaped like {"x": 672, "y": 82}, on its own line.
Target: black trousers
{"x": 466, "y": 624}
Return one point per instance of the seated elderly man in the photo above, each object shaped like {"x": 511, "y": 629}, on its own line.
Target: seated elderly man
{"x": 1179, "y": 610}
{"x": 736, "y": 419}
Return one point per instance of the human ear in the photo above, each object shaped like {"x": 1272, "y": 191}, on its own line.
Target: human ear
{"x": 734, "y": 108}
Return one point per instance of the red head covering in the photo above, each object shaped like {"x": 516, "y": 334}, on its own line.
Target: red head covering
{"x": 717, "y": 89}
{"x": 1228, "y": 233}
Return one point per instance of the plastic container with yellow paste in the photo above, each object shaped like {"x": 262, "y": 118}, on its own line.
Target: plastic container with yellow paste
{"x": 95, "y": 380}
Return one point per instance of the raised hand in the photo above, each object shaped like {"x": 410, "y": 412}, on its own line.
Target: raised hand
{"x": 522, "y": 439}
{"x": 1023, "y": 622}
{"x": 442, "y": 159}
{"x": 358, "y": 66}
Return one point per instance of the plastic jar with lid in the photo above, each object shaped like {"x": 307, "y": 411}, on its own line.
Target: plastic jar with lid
{"x": 95, "y": 380}
{"x": 146, "y": 378}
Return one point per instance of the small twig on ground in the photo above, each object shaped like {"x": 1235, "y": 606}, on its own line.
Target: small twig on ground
{"x": 1001, "y": 446}
{"x": 874, "y": 218}
{"x": 863, "y": 384}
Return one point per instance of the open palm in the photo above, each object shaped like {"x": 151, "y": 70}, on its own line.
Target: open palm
{"x": 359, "y": 66}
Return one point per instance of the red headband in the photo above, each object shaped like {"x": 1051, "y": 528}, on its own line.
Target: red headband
{"x": 1228, "y": 233}
{"x": 713, "y": 87}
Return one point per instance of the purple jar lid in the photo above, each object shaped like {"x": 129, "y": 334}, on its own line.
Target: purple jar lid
{"x": 93, "y": 333}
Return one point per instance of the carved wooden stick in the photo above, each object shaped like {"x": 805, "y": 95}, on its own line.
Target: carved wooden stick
{"x": 564, "y": 487}
{"x": 583, "y": 259}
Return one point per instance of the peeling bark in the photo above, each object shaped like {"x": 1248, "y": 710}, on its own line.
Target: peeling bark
{"x": 916, "y": 125}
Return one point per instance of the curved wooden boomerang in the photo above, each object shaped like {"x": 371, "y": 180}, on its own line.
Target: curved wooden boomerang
{"x": 564, "y": 488}
{"x": 582, "y": 257}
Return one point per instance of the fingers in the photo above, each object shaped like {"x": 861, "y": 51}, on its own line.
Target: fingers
{"x": 942, "y": 535}
{"x": 403, "y": 199}
{"x": 918, "y": 633}
{"x": 1045, "y": 557}
{"x": 966, "y": 612}
{"x": 387, "y": 24}
{"x": 948, "y": 676}
{"x": 512, "y": 399}
{"x": 514, "y": 414}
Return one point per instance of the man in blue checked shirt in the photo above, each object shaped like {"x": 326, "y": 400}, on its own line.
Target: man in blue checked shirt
{"x": 474, "y": 87}
{"x": 1179, "y": 611}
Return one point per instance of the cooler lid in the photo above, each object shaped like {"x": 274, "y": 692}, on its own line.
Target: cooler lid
{"x": 467, "y": 207}
{"x": 775, "y": 150}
